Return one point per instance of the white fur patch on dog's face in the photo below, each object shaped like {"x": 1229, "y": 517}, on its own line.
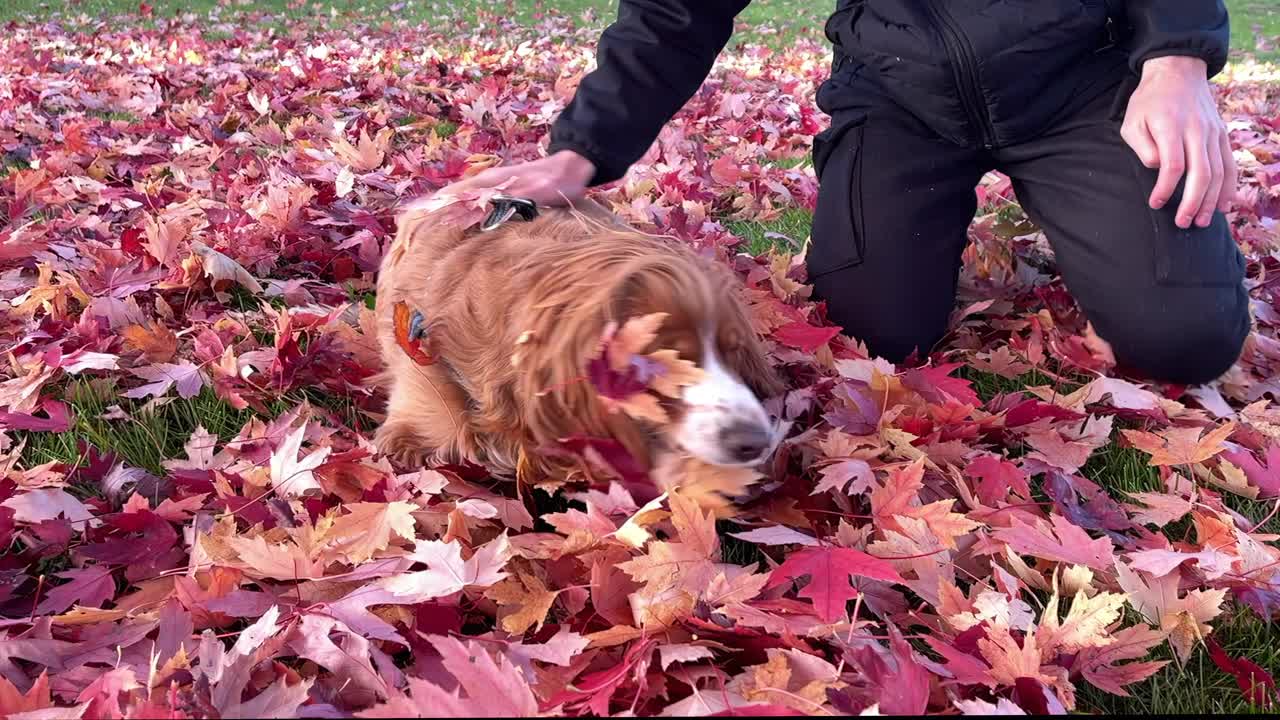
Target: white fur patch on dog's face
{"x": 724, "y": 423}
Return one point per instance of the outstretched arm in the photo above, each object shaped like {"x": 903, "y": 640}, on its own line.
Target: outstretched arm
{"x": 649, "y": 63}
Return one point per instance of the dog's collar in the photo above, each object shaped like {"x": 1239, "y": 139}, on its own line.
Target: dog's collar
{"x": 506, "y": 207}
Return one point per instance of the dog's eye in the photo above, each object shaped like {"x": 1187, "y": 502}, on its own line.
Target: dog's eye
{"x": 687, "y": 348}
{"x": 730, "y": 341}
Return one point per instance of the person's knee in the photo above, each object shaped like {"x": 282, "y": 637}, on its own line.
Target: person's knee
{"x": 892, "y": 333}
{"x": 1190, "y": 339}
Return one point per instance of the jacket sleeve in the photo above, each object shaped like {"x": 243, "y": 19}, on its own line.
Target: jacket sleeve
{"x": 1197, "y": 28}
{"x": 649, "y": 62}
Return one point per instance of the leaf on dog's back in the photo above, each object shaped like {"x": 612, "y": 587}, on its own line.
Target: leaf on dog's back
{"x": 403, "y": 319}
{"x": 455, "y": 206}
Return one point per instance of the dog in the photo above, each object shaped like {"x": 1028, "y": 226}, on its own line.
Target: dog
{"x": 511, "y": 317}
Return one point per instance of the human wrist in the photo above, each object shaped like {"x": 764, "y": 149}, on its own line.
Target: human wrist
{"x": 573, "y": 166}
{"x": 1183, "y": 66}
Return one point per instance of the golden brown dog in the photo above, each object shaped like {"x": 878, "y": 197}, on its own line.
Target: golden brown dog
{"x": 545, "y": 290}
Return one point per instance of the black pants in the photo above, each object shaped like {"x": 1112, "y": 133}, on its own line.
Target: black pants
{"x": 895, "y": 202}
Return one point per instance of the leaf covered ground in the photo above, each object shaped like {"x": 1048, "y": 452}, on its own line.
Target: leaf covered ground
{"x": 196, "y": 524}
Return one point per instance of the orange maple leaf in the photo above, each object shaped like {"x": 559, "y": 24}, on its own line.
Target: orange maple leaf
{"x": 157, "y": 343}
{"x": 1180, "y": 446}
{"x": 403, "y": 320}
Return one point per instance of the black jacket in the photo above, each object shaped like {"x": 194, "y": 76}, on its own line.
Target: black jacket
{"x": 979, "y": 72}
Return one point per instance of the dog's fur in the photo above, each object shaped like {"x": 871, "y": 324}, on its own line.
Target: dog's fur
{"x": 514, "y": 314}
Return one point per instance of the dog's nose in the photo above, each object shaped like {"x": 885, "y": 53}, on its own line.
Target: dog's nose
{"x": 745, "y": 441}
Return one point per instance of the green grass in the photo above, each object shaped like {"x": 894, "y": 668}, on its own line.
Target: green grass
{"x": 789, "y": 232}
{"x": 10, "y": 163}
{"x": 157, "y": 432}
{"x": 143, "y": 440}
{"x": 774, "y": 21}
{"x": 988, "y": 385}
{"x": 1122, "y": 470}
{"x": 1245, "y": 15}
{"x": 1199, "y": 687}
{"x": 113, "y": 115}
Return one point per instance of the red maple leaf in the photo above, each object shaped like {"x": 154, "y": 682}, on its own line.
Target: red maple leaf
{"x": 595, "y": 690}
{"x": 59, "y": 419}
{"x": 88, "y": 587}
{"x": 1256, "y": 683}
{"x": 935, "y": 384}
{"x": 803, "y": 336}
{"x": 996, "y": 478}
{"x": 829, "y": 569}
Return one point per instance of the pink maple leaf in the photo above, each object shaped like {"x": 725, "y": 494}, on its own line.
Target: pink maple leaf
{"x": 188, "y": 379}
{"x": 1265, "y": 475}
{"x": 1063, "y": 542}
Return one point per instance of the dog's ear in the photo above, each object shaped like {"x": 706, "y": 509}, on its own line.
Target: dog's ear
{"x": 556, "y": 398}
{"x": 628, "y": 432}
{"x": 748, "y": 358}
{"x": 751, "y": 364}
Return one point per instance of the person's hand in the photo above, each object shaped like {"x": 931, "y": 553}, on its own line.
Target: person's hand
{"x": 554, "y": 180}
{"x": 1173, "y": 124}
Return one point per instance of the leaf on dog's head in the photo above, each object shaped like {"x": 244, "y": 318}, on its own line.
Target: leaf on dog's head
{"x": 631, "y": 339}
{"x": 641, "y": 406}
{"x": 405, "y": 336}
{"x": 713, "y": 487}
{"x": 623, "y": 376}
{"x": 677, "y": 373}
{"x": 615, "y": 385}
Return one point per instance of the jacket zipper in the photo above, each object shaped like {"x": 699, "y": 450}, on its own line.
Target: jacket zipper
{"x": 966, "y": 73}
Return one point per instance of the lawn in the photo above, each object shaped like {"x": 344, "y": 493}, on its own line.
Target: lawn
{"x": 208, "y": 436}
{"x": 1254, "y": 23}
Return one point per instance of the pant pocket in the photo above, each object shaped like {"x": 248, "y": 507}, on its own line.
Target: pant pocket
{"x": 1191, "y": 257}
{"x": 838, "y": 239}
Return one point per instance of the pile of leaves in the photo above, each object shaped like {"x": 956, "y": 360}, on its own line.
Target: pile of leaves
{"x": 189, "y": 229}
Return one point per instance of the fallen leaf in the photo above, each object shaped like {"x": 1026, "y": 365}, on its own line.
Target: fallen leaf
{"x": 291, "y": 476}
{"x": 1258, "y": 686}
{"x": 829, "y": 570}
{"x": 368, "y": 528}
{"x": 1060, "y": 542}
{"x": 1182, "y": 445}
{"x": 527, "y": 600}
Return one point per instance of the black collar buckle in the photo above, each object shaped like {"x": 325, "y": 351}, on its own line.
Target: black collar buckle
{"x": 506, "y": 207}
